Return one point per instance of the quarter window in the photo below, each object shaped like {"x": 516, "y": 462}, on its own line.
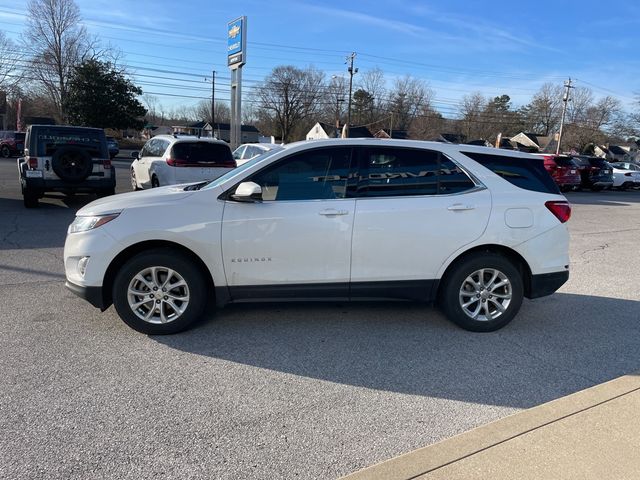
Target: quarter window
{"x": 312, "y": 175}
{"x": 409, "y": 171}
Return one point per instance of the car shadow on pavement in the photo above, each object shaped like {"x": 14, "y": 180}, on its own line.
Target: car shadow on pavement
{"x": 556, "y": 346}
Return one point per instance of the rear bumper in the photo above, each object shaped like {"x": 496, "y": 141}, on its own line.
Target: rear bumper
{"x": 93, "y": 295}
{"x": 547, "y": 283}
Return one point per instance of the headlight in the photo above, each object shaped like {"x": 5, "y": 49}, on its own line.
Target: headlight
{"x": 82, "y": 224}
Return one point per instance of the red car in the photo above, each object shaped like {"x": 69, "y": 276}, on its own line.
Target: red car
{"x": 11, "y": 143}
{"x": 564, "y": 171}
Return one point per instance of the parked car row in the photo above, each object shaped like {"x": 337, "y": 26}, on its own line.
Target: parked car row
{"x": 575, "y": 172}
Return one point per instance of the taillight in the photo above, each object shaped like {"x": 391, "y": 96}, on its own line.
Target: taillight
{"x": 628, "y": 174}
{"x": 561, "y": 209}
{"x": 33, "y": 162}
{"x": 106, "y": 163}
{"x": 173, "y": 162}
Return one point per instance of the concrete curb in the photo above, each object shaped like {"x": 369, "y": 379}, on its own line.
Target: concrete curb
{"x": 430, "y": 458}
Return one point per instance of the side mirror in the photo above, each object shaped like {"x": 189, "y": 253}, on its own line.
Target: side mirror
{"x": 248, "y": 192}
{"x": 135, "y": 154}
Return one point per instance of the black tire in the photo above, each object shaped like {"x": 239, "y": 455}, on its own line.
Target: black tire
{"x": 168, "y": 259}
{"x": 455, "y": 279}
{"x": 30, "y": 198}
{"x": 72, "y": 164}
{"x": 596, "y": 188}
{"x": 5, "y": 152}
{"x": 155, "y": 183}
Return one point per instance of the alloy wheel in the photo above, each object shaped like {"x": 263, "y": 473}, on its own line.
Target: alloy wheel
{"x": 158, "y": 295}
{"x": 485, "y": 294}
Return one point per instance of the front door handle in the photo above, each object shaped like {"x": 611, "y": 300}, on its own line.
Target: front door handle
{"x": 332, "y": 212}
{"x": 458, "y": 207}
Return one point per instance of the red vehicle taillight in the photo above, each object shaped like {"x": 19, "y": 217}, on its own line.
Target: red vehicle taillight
{"x": 33, "y": 162}
{"x": 561, "y": 210}
{"x": 628, "y": 175}
{"x": 106, "y": 163}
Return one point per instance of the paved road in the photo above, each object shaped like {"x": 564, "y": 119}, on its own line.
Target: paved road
{"x": 286, "y": 391}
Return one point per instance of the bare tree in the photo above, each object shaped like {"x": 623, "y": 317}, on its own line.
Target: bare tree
{"x": 373, "y": 82}
{"x": 290, "y": 96}
{"x": 470, "y": 111}
{"x": 542, "y": 115}
{"x": 57, "y": 43}
{"x": 10, "y": 57}
{"x": 407, "y": 98}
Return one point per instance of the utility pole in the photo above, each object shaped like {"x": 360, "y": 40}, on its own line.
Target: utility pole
{"x": 352, "y": 72}
{"x": 213, "y": 100}
{"x": 565, "y": 100}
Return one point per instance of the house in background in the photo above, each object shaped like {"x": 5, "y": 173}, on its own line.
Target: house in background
{"x": 198, "y": 129}
{"x": 248, "y": 133}
{"x": 386, "y": 133}
{"x": 323, "y": 130}
{"x": 532, "y": 141}
{"x": 221, "y": 131}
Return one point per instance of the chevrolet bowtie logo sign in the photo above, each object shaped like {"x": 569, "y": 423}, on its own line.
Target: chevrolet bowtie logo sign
{"x": 234, "y": 31}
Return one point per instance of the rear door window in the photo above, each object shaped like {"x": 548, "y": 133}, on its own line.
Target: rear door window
{"x": 205, "y": 154}
{"x": 525, "y": 173}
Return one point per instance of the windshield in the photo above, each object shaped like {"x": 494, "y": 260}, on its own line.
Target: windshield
{"x": 238, "y": 170}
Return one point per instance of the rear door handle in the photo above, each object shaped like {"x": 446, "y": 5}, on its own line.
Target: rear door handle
{"x": 458, "y": 207}
{"x": 332, "y": 212}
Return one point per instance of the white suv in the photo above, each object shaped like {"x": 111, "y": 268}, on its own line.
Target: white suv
{"x": 170, "y": 160}
{"x": 474, "y": 228}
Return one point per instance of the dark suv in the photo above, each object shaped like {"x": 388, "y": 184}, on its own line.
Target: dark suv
{"x": 595, "y": 172}
{"x": 11, "y": 143}
{"x": 65, "y": 159}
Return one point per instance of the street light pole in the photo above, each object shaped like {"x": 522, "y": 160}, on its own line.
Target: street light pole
{"x": 352, "y": 72}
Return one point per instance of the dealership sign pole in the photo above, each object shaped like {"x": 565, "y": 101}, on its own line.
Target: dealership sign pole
{"x": 236, "y": 58}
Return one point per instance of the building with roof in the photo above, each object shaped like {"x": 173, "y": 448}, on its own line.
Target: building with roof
{"x": 323, "y": 130}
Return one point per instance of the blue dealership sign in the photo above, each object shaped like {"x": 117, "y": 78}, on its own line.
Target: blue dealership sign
{"x": 236, "y": 42}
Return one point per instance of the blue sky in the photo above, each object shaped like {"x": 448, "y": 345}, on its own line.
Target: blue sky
{"x": 458, "y": 47}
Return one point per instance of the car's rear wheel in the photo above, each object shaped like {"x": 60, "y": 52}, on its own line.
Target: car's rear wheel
{"x": 5, "y": 152}
{"x": 155, "y": 182}
{"x": 482, "y": 293}
{"x": 159, "y": 292}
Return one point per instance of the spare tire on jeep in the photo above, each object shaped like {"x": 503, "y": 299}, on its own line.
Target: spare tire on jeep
{"x": 72, "y": 164}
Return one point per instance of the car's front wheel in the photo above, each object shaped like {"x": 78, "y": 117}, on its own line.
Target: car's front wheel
{"x": 159, "y": 292}
{"x": 5, "y": 152}
{"x": 482, "y": 293}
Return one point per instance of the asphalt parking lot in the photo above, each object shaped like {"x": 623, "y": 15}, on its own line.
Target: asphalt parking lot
{"x": 286, "y": 390}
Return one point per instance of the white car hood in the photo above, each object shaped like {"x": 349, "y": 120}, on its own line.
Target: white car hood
{"x": 145, "y": 198}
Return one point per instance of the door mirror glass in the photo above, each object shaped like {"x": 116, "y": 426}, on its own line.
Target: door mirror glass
{"x": 135, "y": 154}
{"x": 248, "y": 192}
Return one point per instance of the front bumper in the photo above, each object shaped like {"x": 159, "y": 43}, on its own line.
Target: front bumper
{"x": 93, "y": 295}
{"x": 547, "y": 283}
